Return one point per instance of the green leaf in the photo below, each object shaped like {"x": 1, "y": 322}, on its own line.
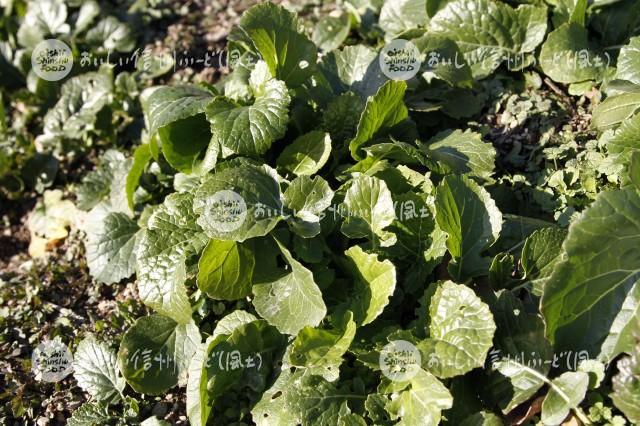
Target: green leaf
{"x": 246, "y": 357}
{"x": 593, "y": 293}
{"x": 521, "y": 356}
{"x": 489, "y": 32}
{"x": 320, "y": 351}
{"x": 259, "y": 189}
{"x": 250, "y": 130}
{"x": 234, "y": 320}
{"x": 461, "y": 330}
{"x": 197, "y": 399}
{"x": 273, "y": 31}
{"x": 540, "y": 253}
{"x": 566, "y": 393}
{"x": 567, "y": 58}
{"x": 96, "y": 371}
{"x": 381, "y": 114}
{"x": 461, "y": 153}
{"x": 164, "y": 105}
{"x": 103, "y": 183}
{"x": 111, "y": 35}
{"x": 291, "y": 302}
{"x": 155, "y": 353}
{"x": 91, "y": 414}
{"x": 307, "y": 154}
{"x": 184, "y": 140}
{"x": 111, "y": 248}
{"x": 422, "y": 403}
{"x": 81, "y": 98}
{"x": 443, "y": 60}
{"x": 398, "y": 16}
{"x": 483, "y": 418}
{"x": 615, "y": 109}
{"x": 353, "y": 68}
{"x": 629, "y": 62}
{"x": 43, "y": 18}
{"x": 626, "y": 386}
{"x": 375, "y": 282}
{"x": 172, "y": 235}
{"x": 331, "y": 31}
{"x": 298, "y": 398}
{"x": 625, "y": 141}
{"x": 225, "y": 269}
{"x": 307, "y": 198}
{"x": 466, "y": 212}
{"x": 369, "y": 210}
{"x": 141, "y": 156}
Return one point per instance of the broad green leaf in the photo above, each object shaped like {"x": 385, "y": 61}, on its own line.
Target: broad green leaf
{"x": 43, "y": 18}
{"x": 381, "y": 114}
{"x": 307, "y": 198}
{"x": 155, "y": 353}
{"x": 291, "y": 302}
{"x": 540, "y": 253}
{"x": 197, "y": 407}
{"x": 229, "y": 323}
{"x": 629, "y": 62}
{"x": 567, "y": 58}
{"x": 111, "y": 35}
{"x": 183, "y": 141}
{"x": 251, "y": 129}
{"x": 444, "y": 60}
{"x": 307, "y": 154}
{"x": 172, "y": 235}
{"x": 166, "y": 104}
{"x": 111, "y": 248}
{"x": 521, "y": 356}
{"x": 96, "y": 371}
{"x": 91, "y": 414}
{"x": 489, "y": 32}
{"x": 466, "y": 212}
{"x": 298, "y": 398}
{"x": 461, "y": 153}
{"x": 461, "y": 330}
{"x": 273, "y": 31}
{"x": 483, "y": 418}
{"x": 225, "y": 269}
{"x": 353, "y": 68}
{"x": 398, "y": 16}
{"x": 104, "y": 182}
{"x": 320, "y": 350}
{"x": 626, "y": 385}
{"x": 422, "y": 403}
{"x": 616, "y": 109}
{"x": 626, "y": 141}
{"x": 81, "y": 98}
{"x": 331, "y": 31}
{"x": 566, "y": 393}
{"x": 141, "y": 156}
{"x": 256, "y": 186}
{"x": 593, "y": 293}
{"x": 375, "y": 282}
{"x": 246, "y": 357}
{"x": 369, "y": 210}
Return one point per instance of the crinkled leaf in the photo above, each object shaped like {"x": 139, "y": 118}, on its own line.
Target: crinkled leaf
{"x": 96, "y": 371}
{"x": 398, "y": 16}
{"x": 111, "y": 35}
{"x": 91, "y": 414}
{"x": 629, "y": 62}
{"x": 307, "y": 198}
{"x": 461, "y": 330}
{"x": 258, "y": 188}
{"x": 626, "y": 386}
{"x": 171, "y": 236}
